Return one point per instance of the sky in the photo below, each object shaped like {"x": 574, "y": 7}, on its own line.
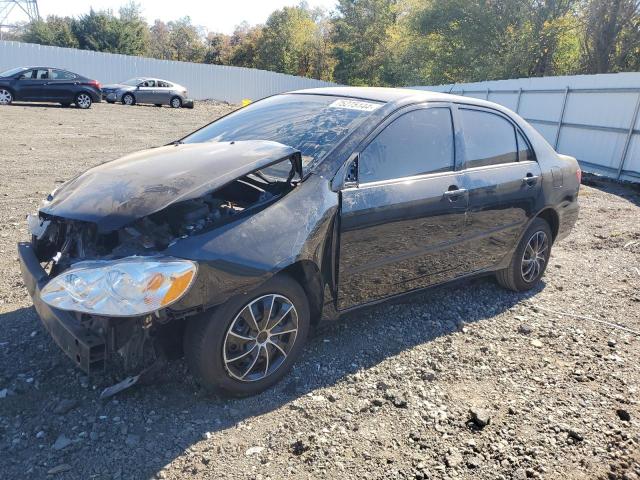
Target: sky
{"x": 215, "y": 15}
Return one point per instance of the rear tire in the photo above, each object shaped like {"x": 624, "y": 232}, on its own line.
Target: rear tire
{"x": 249, "y": 343}
{"x": 6, "y": 97}
{"x": 530, "y": 259}
{"x": 176, "y": 102}
{"x": 83, "y": 101}
{"x": 128, "y": 99}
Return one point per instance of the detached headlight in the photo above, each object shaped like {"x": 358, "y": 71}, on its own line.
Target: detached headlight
{"x": 120, "y": 288}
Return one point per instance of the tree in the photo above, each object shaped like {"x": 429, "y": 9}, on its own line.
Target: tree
{"x": 610, "y": 35}
{"x": 360, "y": 32}
{"x": 102, "y": 31}
{"x": 245, "y": 43}
{"x": 159, "y": 41}
{"x": 287, "y": 42}
{"x": 219, "y": 49}
{"x": 185, "y": 40}
{"x": 52, "y": 31}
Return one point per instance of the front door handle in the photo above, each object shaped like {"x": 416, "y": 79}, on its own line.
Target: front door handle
{"x": 530, "y": 179}
{"x": 454, "y": 193}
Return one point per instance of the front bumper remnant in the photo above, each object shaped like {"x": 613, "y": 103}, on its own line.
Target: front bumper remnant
{"x": 82, "y": 345}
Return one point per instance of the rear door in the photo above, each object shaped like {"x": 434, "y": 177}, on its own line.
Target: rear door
{"x": 402, "y": 221}
{"x": 503, "y": 180}
{"x": 62, "y": 85}
{"x": 163, "y": 92}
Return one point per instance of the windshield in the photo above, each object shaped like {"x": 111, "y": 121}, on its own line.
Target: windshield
{"x": 133, "y": 82}
{"x": 313, "y": 124}
{"x": 13, "y": 71}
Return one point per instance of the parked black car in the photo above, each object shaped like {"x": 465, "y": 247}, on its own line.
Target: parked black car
{"x": 244, "y": 234}
{"x": 46, "y": 84}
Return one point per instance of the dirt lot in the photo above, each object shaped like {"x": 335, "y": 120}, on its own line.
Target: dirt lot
{"x": 402, "y": 390}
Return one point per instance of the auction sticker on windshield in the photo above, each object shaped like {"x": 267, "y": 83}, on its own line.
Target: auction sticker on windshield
{"x": 355, "y": 105}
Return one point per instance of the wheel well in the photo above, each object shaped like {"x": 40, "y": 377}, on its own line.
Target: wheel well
{"x": 307, "y": 274}
{"x": 551, "y": 217}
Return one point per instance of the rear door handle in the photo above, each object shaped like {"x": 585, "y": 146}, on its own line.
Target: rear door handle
{"x": 530, "y": 179}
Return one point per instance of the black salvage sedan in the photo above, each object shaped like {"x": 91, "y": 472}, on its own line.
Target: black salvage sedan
{"x": 240, "y": 237}
{"x": 46, "y": 84}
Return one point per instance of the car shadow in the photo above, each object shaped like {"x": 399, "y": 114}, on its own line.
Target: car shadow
{"x": 159, "y": 422}
{"x": 37, "y": 105}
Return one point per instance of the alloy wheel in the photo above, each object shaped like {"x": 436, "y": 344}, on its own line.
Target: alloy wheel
{"x": 535, "y": 256}
{"x": 260, "y": 338}
{"x": 128, "y": 100}
{"x": 5, "y": 97}
{"x": 83, "y": 100}
{"x": 176, "y": 103}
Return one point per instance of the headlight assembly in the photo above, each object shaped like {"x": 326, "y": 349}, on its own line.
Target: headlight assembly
{"x": 120, "y": 288}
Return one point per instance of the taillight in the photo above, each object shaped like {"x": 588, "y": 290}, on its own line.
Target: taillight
{"x": 95, "y": 83}
{"x": 579, "y": 175}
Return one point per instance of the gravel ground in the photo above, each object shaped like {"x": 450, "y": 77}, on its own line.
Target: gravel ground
{"x": 466, "y": 381}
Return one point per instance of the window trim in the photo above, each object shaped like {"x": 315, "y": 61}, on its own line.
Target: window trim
{"x": 517, "y": 129}
{"x": 388, "y": 121}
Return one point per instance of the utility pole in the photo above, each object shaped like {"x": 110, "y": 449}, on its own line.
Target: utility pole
{"x": 14, "y": 13}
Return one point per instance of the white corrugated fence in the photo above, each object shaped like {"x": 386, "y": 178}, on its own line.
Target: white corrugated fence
{"x": 594, "y": 118}
{"x": 218, "y": 82}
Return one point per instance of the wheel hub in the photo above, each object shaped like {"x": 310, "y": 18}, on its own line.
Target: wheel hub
{"x": 534, "y": 257}
{"x": 260, "y": 338}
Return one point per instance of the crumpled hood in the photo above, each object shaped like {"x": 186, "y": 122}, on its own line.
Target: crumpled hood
{"x": 116, "y": 193}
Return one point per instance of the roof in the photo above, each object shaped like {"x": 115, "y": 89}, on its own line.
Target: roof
{"x": 380, "y": 94}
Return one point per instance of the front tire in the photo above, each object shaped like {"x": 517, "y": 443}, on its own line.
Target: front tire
{"x": 176, "y": 102}
{"x": 530, "y": 259}
{"x": 6, "y": 97}
{"x": 249, "y": 343}
{"x": 83, "y": 101}
{"x": 128, "y": 99}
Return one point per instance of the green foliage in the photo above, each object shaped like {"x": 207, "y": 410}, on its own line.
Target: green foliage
{"x": 295, "y": 41}
{"x": 383, "y": 42}
{"x": 52, "y": 31}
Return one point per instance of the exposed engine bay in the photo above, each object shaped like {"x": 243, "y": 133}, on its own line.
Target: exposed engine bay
{"x": 62, "y": 242}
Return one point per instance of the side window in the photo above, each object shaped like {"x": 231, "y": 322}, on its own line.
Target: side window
{"x": 28, "y": 75}
{"x": 41, "y": 74}
{"x": 62, "y": 75}
{"x": 420, "y": 141}
{"x": 163, "y": 84}
{"x": 489, "y": 139}
{"x": 524, "y": 150}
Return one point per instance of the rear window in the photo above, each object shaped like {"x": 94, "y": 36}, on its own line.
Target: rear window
{"x": 62, "y": 75}
{"x": 313, "y": 124}
{"x": 489, "y": 139}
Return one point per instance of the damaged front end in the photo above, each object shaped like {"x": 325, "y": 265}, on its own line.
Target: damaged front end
{"x": 95, "y": 266}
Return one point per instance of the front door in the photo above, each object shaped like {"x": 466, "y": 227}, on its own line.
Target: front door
{"x": 504, "y": 184}
{"x": 146, "y": 91}
{"x": 32, "y": 85}
{"x": 402, "y": 223}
